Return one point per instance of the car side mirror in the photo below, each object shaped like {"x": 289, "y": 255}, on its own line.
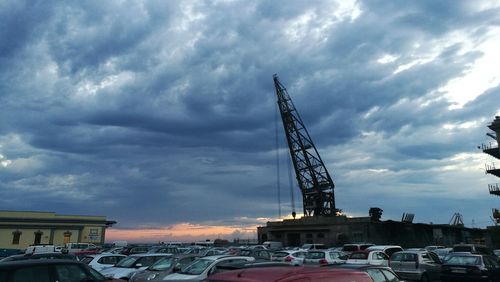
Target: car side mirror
{"x": 138, "y": 265}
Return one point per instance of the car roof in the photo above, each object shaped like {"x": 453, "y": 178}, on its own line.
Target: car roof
{"x": 21, "y": 263}
{"x": 151, "y": 255}
{"x": 268, "y": 274}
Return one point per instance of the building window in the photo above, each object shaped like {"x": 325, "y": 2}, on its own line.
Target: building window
{"x": 67, "y": 237}
{"x": 321, "y": 235}
{"x": 309, "y": 236}
{"x": 16, "y": 235}
{"x": 38, "y": 237}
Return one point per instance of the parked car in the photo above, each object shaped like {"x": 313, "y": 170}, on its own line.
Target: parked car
{"x": 416, "y": 265}
{"x": 308, "y": 247}
{"x": 434, "y": 247}
{"x": 322, "y": 257}
{"x": 5, "y": 252}
{"x": 470, "y": 267}
{"x": 273, "y": 245}
{"x": 78, "y": 247}
{"x": 387, "y": 249}
{"x": 163, "y": 267}
{"x": 102, "y": 261}
{"x": 126, "y": 267}
{"x": 289, "y": 274}
{"x": 202, "y": 267}
{"x": 258, "y": 254}
{"x": 45, "y": 270}
{"x": 293, "y": 257}
{"x": 349, "y": 248}
{"x": 472, "y": 248}
{"x": 164, "y": 249}
{"x": 212, "y": 252}
{"x": 441, "y": 253}
{"x": 368, "y": 257}
{"x": 132, "y": 250}
{"x": 53, "y": 255}
{"x": 35, "y": 249}
{"x": 377, "y": 272}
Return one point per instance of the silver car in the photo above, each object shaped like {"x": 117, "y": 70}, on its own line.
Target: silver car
{"x": 128, "y": 266}
{"x": 416, "y": 265}
{"x": 201, "y": 268}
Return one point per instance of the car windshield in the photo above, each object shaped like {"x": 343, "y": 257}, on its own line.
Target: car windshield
{"x": 127, "y": 262}
{"x": 464, "y": 260}
{"x": 280, "y": 254}
{"x": 162, "y": 264}
{"x": 197, "y": 267}
{"x": 86, "y": 260}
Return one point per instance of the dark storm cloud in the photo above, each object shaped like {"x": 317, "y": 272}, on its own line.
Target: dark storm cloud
{"x": 163, "y": 112}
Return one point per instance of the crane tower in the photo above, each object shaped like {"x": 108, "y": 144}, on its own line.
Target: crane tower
{"x": 312, "y": 176}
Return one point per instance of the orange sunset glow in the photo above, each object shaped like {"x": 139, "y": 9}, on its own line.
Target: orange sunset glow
{"x": 185, "y": 232}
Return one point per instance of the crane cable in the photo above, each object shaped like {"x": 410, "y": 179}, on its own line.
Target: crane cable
{"x": 277, "y": 159}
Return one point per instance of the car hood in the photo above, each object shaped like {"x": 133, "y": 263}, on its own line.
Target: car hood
{"x": 151, "y": 275}
{"x": 179, "y": 276}
{"x": 118, "y": 272}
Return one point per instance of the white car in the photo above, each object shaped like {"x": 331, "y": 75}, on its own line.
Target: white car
{"x": 100, "y": 262}
{"x": 126, "y": 267}
{"x": 201, "y": 268}
{"x": 369, "y": 257}
{"x": 323, "y": 257}
{"x": 293, "y": 257}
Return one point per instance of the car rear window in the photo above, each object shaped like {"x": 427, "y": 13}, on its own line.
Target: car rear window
{"x": 462, "y": 249}
{"x": 315, "y": 255}
{"x": 280, "y": 254}
{"x": 464, "y": 260}
{"x": 404, "y": 257}
{"x": 350, "y": 248}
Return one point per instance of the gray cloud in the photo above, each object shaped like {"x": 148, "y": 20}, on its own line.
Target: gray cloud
{"x": 163, "y": 112}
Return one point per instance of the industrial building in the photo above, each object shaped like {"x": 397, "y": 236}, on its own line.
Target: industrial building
{"x": 20, "y": 229}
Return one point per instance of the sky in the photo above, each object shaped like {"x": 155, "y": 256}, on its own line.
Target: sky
{"x": 162, "y": 116}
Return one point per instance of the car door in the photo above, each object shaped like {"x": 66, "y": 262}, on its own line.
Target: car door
{"x": 379, "y": 258}
{"x": 432, "y": 264}
{"x": 39, "y": 273}
{"x": 396, "y": 261}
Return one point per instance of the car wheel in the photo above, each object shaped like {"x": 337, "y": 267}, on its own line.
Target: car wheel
{"x": 424, "y": 278}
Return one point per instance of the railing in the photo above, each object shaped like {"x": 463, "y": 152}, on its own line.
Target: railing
{"x": 494, "y": 188}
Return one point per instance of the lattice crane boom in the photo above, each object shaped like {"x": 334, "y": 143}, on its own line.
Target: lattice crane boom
{"x": 312, "y": 176}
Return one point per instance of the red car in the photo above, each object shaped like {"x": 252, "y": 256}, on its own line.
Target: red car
{"x": 49, "y": 270}
{"x": 288, "y": 274}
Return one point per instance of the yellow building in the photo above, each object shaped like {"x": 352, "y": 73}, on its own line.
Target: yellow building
{"x": 19, "y": 229}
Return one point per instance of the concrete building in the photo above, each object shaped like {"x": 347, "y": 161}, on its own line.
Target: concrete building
{"x": 338, "y": 230}
{"x": 19, "y": 229}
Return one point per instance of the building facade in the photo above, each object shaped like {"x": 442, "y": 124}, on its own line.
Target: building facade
{"x": 339, "y": 230}
{"x": 20, "y": 229}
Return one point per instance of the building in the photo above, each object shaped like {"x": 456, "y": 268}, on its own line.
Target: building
{"x": 19, "y": 229}
{"x": 339, "y": 230}
{"x": 493, "y": 150}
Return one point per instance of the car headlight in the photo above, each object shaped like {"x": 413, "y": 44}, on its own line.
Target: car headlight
{"x": 152, "y": 276}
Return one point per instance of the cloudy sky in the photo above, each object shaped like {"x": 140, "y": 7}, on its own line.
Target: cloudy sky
{"x": 161, "y": 115}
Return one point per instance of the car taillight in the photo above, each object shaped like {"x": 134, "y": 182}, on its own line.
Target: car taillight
{"x": 288, "y": 258}
{"x": 323, "y": 261}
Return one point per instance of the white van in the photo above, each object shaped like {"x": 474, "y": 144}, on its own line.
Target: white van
{"x": 273, "y": 245}
{"x": 36, "y": 249}
{"x": 77, "y": 247}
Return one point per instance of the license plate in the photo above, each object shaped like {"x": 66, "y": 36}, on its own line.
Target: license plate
{"x": 458, "y": 271}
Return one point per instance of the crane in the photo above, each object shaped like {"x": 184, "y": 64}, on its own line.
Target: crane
{"x": 313, "y": 178}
